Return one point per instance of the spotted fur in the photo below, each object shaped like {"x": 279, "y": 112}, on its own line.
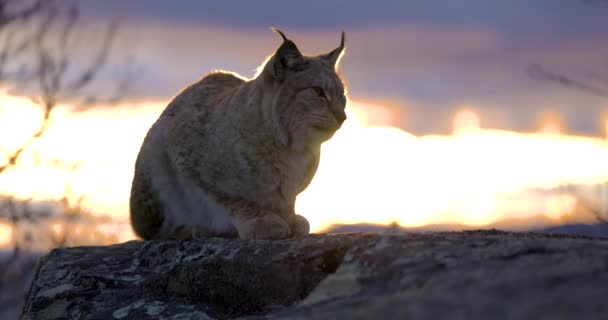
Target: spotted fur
{"x": 228, "y": 156}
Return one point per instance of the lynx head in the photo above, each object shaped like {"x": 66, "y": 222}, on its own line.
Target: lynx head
{"x": 307, "y": 95}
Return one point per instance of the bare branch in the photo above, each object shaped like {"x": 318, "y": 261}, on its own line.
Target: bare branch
{"x": 598, "y": 214}
{"x": 66, "y": 32}
{"x": 89, "y": 74}
{"x": 537, "y": 71}
{"x": 31, "y": 8}
{"x": 52, "y": 60}
{"x": 597, "y": 78}
{"x": 15, "y": 155}
{"x": 16, "y": 38}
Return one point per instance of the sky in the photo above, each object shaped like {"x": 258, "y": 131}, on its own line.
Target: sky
{"x": 446, "y": 125}
{"x": 427, "y": 58}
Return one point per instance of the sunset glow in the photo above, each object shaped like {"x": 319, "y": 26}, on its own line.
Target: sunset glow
{"x": 472, "y": 177}
{"x": 368, "y": 172}
{"x": 5, "y": 234}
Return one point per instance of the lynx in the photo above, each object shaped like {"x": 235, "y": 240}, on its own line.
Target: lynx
{"x": 228, "y": 156}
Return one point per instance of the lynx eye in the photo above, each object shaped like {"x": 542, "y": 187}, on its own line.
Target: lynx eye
{"x": 319, "y": 92}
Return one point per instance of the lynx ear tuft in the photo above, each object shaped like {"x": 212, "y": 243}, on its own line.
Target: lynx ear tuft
{"x": 277, "y": 30}
{"x": 334, "y": 56}
{"x": 286, "y": 58}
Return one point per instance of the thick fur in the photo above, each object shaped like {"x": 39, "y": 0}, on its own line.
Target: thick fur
{"x": 228, "y": 157}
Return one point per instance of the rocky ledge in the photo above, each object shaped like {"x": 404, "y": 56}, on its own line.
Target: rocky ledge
{"x": 453, "y": 275}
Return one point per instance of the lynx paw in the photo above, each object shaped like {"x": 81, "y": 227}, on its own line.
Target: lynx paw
{"x": 269, "y": 226}
{"x": 300, "y": 226}
{"x": 188, "y": 233}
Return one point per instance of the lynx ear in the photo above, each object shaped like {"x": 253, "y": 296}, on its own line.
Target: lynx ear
{"x": 334, "y": 56}
{"x": 286, "y": 58}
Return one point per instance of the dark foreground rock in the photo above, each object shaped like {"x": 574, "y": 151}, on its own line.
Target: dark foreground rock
{"x": 455, "y": 275}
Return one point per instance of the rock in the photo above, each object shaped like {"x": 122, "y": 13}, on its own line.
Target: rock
{"x": 455, "y": 275}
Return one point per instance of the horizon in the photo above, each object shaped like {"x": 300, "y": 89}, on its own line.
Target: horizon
{"x": 449, "y": 121}
{"x": 418, "y": 187}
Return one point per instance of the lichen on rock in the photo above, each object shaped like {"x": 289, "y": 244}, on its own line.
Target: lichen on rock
{"x": 457, "y": 275}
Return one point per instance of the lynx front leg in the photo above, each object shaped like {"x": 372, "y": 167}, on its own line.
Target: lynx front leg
{"x": 253, "y": 222}
{"x": 189, "y": 232}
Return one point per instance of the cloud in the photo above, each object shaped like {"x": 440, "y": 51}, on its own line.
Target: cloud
{"x": 431, "y": 57}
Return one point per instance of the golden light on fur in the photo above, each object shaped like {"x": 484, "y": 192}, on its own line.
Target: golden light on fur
{"x": 369, "y": 171}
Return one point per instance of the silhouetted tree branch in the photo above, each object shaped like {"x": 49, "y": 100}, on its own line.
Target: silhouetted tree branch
{"x": 595, "y": 84}
{"x": 12, "y": 10}
{"x": 37, "y": 40}
{"x": 590, "y": 201}
{"x": 591, "y": 82}
{"x": 598, "y": 213}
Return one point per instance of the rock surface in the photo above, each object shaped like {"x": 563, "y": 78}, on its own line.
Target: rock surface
{"x": 452, "y": 275}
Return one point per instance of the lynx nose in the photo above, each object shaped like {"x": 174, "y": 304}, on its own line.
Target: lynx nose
{"x": 340, "y": 115}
